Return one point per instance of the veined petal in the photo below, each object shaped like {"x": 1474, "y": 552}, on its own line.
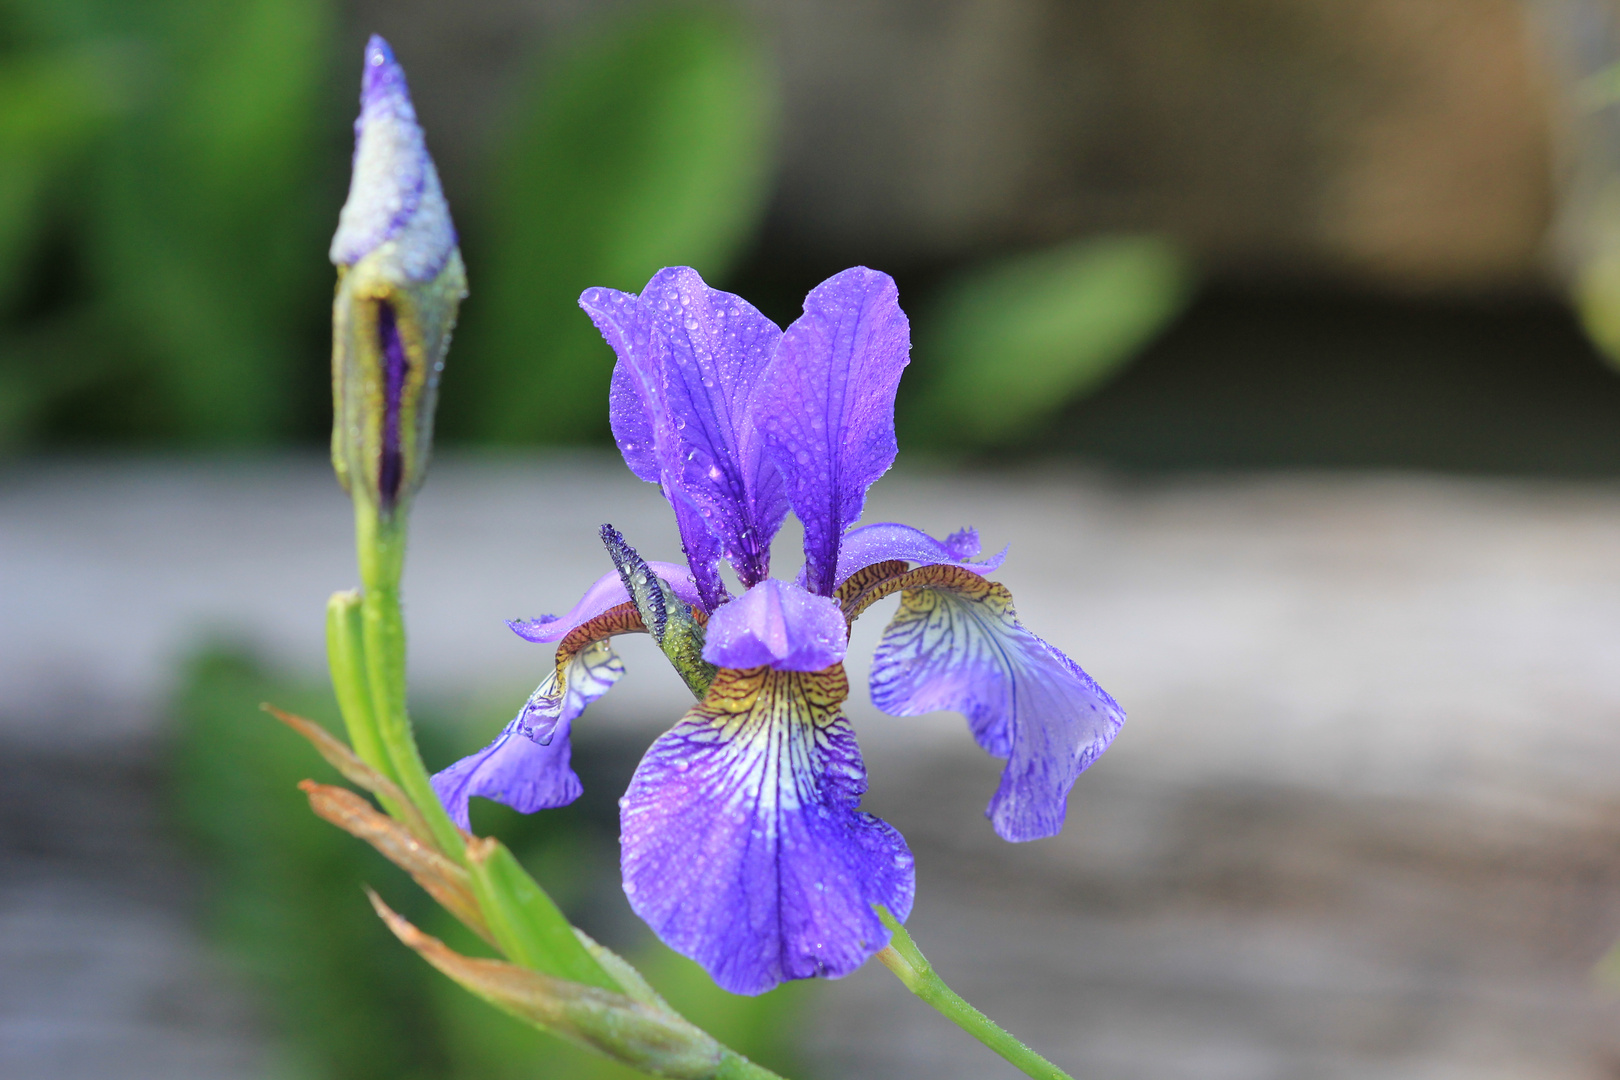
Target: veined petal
{"x": 631, "y": 405}
{"x": 882, "y": 542}
{"x": 718, "y": 348}
{"x": 688, "y": 359}
{"x": 826, "y": 407}
{"x": 740, "y": 841}
{"x": 606, "y": 593}
{"x": 586, "y": 668}
{"x": 527, "y": 766}
{"x": 514, "y": 770}
{"x": 777, "y": 624}
{"x": 956, "y": 643}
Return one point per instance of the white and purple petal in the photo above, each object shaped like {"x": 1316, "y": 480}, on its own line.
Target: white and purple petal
{"x": 956, "y": 643}
{"x": 514, "y": 770}
{"x": 606, "y": 593}
{"x": 741, "y": 844}
{"x": 581, "y": 676}
{"x": 394, "y": 193}
{"x": 526, "y": 767}
{"x": 826, "y": 407}
{"x": 778, "y": 624}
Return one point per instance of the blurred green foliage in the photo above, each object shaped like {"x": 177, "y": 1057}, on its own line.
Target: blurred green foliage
{"x": 157, "y": 242}
{"x": 170, "y": 173}
{"x": 645, "y": 143}
{"x": 1007, "y": 345}
{"x": 348, "y": 1001}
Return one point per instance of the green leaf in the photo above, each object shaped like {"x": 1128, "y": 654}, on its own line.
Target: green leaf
{"x": 527, "y": 925}
{"x": 647, "y": 143}
{"x": 284, "y": 887}
{"x": 1009, "y": 344}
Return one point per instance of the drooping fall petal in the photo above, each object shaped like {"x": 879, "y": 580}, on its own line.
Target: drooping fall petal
{"x": 741, "y": 843}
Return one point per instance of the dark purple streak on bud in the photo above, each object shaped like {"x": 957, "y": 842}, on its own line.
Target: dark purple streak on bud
{"x": 396, "y": 367}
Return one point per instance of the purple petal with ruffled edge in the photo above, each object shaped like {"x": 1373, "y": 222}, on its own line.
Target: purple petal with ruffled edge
{"x": 871, "y": 544}
{"x": 394, "y": 192}
{"x": 719, "y": 347}
{"x": 643, "y": 427}
{"x": 779, "y": 624}
{"x": 826, "y": 407}
{"x": 581, "y": 678}
{"x": 631, "y": 395}
{"x": 688, "y": 359}
{"x": 513, "y": 770}
{"x": 959, "y": 646}
{"x": 740, "y": 842}
{"x": 607, "y": 592}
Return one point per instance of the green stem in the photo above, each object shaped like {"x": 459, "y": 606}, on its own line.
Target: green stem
{"x": 912, "y": 968}
{"x": 380, "y": 543}
{"x": 733, "y": 1066}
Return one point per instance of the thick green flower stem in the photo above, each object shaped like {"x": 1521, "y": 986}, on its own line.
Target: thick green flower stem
{"x": 911, "y": 967}
{"x": 380, "y": 542}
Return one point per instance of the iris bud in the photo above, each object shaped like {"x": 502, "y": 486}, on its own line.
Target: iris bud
{"x": 400, "y": 282}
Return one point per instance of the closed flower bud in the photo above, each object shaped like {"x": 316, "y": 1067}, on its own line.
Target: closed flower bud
{"x": 400, "y": 281}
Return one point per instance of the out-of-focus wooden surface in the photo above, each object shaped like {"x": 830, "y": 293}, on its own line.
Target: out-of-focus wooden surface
{"x": 1401, "y": 144}
{"x": 1362, "y": 821}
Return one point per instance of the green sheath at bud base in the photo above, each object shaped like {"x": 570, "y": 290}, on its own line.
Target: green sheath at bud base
{"x": 389, "y": 339}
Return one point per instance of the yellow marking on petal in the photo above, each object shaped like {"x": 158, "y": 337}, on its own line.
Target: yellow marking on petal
{"x": 866, "y": 587}
{"x": 586, "y": 664}
{"x": 769, "y": 722}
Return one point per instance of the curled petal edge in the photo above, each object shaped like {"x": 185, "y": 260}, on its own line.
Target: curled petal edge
{"x": 889, "y": 541}
{"x": 605, "y": 593}
{"x": 528, "y": 765}
{"x": 956, "y": 643}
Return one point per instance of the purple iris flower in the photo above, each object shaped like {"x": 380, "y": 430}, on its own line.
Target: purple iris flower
{"x": 741, "y": 839}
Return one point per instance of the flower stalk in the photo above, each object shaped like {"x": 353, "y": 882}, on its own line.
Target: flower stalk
{"x": 912, "y": 968}
{"x": 739, "y": 421}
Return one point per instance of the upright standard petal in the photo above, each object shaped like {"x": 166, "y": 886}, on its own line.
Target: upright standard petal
{"x": 780, "y": 625}
{"x": 718, "y": 349}
{"x": 632, "y": 404}
{"x": 826, "y": 407}
{"x": 740, "y": 841}
{"x": 514, "y": 770}
{"x": 688, "y": 359}
{"x": 956, "y": 643}
{"x": 394, "y": 193}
